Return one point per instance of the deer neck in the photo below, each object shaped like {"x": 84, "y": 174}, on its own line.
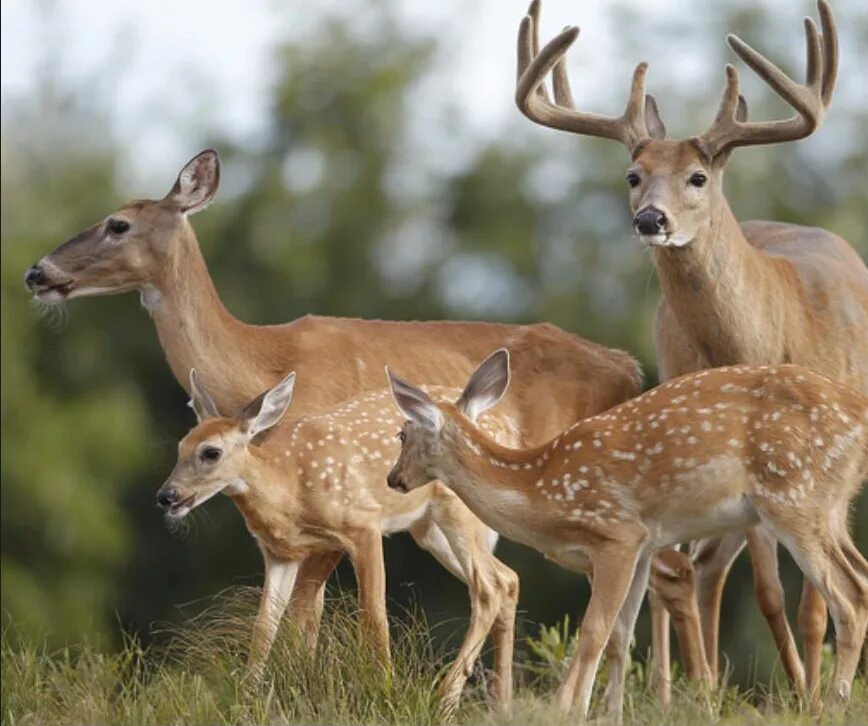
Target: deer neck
{"x": 724, "y": 293}
{"x": 197, "y": 331}
{"x": 493, "y": 481}
{"x": 266, "y": 491}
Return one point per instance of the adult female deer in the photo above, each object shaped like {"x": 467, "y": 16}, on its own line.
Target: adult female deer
{"x": 758, "y": 292}
{"x": 776, "y": 447}
{"x": 318, "y": 484}
{"x": 150, "y": 246}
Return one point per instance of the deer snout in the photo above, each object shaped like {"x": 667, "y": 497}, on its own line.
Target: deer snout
{"x": 34, "y": 277}
{"x": 650, "y": 221}
{"x": 394, "y": 481}
{"x": 167, "y": 496}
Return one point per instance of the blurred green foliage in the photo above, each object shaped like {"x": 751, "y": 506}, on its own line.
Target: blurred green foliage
{"x": 334, "y": 213}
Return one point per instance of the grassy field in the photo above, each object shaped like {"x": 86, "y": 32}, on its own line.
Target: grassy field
{"x": 196, "y": 677}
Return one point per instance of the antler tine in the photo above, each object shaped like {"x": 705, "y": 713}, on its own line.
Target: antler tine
{"x": 830, "y": 49}
{"x": 809, "y": 100}
{"x": 561, "y": 83}
{"x": 533, "y": 13}
{"x": 533, "y": 68}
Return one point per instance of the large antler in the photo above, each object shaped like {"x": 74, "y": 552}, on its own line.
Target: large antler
{"x": 810, "y": 100}
{"x": 533, "y": 100}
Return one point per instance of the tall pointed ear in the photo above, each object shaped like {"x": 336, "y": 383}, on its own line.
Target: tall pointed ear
{"x": 414, "y": 403}
{"x": 200, "y": 400}
{"x": 197, "y": 183}
{"x": 486, "y": 386}
{"x": 653, "y": 122}
{"x": 267, "y": 409}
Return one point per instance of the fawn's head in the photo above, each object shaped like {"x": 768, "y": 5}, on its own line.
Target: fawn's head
{"x": 676, "y": 185}
{"x": 429, "y": 431}
{"x": 129, "y": 248}
{"x": 216, "y": 454}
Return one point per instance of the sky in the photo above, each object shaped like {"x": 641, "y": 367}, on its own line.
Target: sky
{"x": 182, "y": 68}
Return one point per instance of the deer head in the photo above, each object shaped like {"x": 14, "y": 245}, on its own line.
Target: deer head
{"x": 216, "y": 454}
{"x": 428, "y": 436}
{"x": 128, "y": 249}
{"x": 676, "y": 185}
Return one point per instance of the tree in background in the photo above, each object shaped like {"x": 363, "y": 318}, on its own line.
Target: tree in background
{"x": 333, "y": 212}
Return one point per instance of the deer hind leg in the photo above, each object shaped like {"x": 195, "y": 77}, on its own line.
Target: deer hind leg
{"x": 672, "y": 573}
{"x": 770, "y": 596}
{"x": 308, "y": 595}
{"x": 614, "y": 564}
{"x": 821, "y": 556}
{"x": 619, "y": 641}
{"x": 461, "y": 543}
{"x": 367, "y": 556}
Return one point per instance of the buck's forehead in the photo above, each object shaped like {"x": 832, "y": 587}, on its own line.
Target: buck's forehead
{"x": 668, "y": 154}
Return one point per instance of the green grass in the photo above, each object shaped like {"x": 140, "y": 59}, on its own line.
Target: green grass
{"x": 196, "y": 677}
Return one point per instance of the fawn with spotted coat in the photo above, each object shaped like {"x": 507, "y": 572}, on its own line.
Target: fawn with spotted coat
{"x": 777, "y": 447}
{"x": 317, "y": 484}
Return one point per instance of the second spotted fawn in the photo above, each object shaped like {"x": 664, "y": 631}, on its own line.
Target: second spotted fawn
{"x": 776, "y": 447}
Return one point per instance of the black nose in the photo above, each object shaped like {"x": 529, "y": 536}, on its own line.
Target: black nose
{"x": 394, "y": 482}
{"x": 650, "y": 221}
{"x": 167, "y": 497}
{"x": 34, "y": 276}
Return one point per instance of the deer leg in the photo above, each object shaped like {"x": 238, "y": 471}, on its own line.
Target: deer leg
{"x": 306, "y": 603}
{"x": 367, "y": 556}
{"x": 812, "y": 621}
{"x": 712, "y": 559}
{"x": 614, "y": 564}
{"x": 672, "y": 573}
{"x": 661, "y": 674}
{"x": 770, "y": 596}
{"x": 279, "y": 580}
{"x": 821, "y": 558}
{"x": 461, "y": 545}
{"x": 619, "y": 641}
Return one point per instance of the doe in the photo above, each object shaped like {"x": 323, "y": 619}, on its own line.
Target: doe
{"x": 776, "y": 447}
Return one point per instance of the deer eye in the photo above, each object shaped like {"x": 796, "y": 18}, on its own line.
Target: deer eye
{"x": 402, "y": 437}
{"x": 698, "y": 179}
{"x": 210, "y": 454}
{"x": 118, "y": 226}
{"x": 633, "y": 179}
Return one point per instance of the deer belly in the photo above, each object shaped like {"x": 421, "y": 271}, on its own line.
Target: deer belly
{"x": 682, "y": 524}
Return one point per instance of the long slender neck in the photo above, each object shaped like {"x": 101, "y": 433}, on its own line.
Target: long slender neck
{"x": 727, "y": 296}
{"x": 197, "y": 331}
{"x": 476, "y": 462}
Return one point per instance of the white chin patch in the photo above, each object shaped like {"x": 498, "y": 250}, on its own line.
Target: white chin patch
{"x": 666, "y": 240}
{"x": 50, "y": 297}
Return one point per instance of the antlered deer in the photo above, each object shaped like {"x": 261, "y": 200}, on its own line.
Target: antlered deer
{"x": 776, "y": 447}
{"x": 151, "y": 247}
{"x": 317, "y": 483}
{"x": 756, "y": 292}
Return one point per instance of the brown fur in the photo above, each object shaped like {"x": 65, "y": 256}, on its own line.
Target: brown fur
{"x": 707, "y": 453}
{"x": 317, "y": 484}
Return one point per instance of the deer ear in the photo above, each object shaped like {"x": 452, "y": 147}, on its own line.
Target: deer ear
{"x": 486, "y": 386}
{"x": 200, "y": 400}
{"x": 653, "y": 123}
{"x": 267, "y": 409}
{"x": 197, "y": 183}
{"x": 414, "y": 403}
